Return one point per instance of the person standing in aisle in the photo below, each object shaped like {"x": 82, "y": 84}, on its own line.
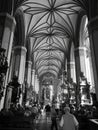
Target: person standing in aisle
{"x": 48, "y": 111}
{"x": 53, "y": 118}
{"x": 69, "y": 121}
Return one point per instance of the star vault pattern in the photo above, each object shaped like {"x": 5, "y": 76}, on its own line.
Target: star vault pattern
{"x": 51, "y": 27}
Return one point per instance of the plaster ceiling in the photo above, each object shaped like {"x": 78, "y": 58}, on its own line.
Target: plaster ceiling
{"x": 50, "y": 24}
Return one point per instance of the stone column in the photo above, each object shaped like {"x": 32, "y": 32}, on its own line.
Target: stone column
{"x": 93, "y": 34}
{"x": 8, "y": 95}
{"x": 36, "y": 83}
{"x": 18, "y": 67}
{"x": 81, "y": 60}
{"x": 19, "y": 62}
{"x": 7, "y": 28}
{"x": 77, "y": 65}
{"x": 72, "y": 70}
{"x": 33, "y": 79}
{"x": 39, "y": 91}
{"x": 89, "y": 70}
{"x": 28, "y": 73}
{"x": 82, "y": 55}
{"x": 28, "y": 78}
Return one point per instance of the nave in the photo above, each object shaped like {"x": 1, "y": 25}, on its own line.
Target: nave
{"x": 48, "y": 54}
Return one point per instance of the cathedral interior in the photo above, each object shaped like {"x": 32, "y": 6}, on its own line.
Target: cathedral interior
{"x": 49, "y": 55}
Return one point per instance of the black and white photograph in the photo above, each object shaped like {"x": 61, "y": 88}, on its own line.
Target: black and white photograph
{"x": 48, "y": 64}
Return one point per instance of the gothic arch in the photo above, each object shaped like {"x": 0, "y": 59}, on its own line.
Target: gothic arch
{"x": 84, "y": 45}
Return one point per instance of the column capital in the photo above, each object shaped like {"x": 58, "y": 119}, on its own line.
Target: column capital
{"x": 71, "y": 64}
{"x": 33, "y": 70}
{"x": 29, "y": 62}
{"x": 81, "y": 50}
{"x": 20, "y": 48}
{"x": 93, "y": 24}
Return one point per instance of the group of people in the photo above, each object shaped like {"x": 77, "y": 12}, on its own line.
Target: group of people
{"x": 65, "y": 120}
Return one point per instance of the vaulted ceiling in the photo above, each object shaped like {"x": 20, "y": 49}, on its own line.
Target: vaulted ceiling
{"x": 50, "y": 24}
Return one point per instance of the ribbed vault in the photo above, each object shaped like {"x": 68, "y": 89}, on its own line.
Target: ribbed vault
{"x": 50, "y": 24}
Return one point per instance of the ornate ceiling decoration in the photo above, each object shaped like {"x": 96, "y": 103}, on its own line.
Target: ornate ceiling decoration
{"x": 50, "y": 25}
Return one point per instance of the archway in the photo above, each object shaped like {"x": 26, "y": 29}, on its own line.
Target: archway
{"x": 86, "y": 81}
{"x": 85, "y": 52}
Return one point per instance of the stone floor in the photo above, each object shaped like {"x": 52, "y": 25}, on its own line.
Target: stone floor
{"x": 43, "y": 124}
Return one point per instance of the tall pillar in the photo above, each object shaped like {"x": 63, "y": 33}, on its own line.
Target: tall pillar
{"x": 64, "y": 69}
{"x": 81, "y": 59}
{"x": 39, "y": 96}
{"x": 18, "y": 68}
{"x": 72, "y": 70}
{"x": 7, "y": 27}
{"x": 19, "y": 62}
{"x": 83, "y": 64}
{"x": 36, "y": 87}
{"x": 36, "y": 83}
{"x": 77, "y": 65}
{"x": 28, "y": 73}
{"x": 89, "y": 70}
{"x": 82, "y": 54}
{"x": 93, "y": 34}
{"x": 33, "y": 79}
{"x": 68, "y": 68}
{"x": 28, "y": 78}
